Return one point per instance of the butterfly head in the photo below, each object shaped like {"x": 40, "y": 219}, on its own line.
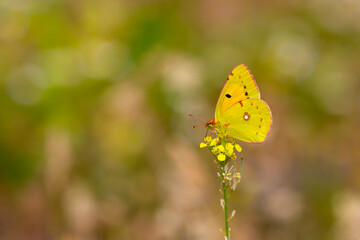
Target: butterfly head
{"x": 210, "y": 124}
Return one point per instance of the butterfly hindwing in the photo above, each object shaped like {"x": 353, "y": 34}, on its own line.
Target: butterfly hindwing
{"x": 248, "y": 120}
{"x": 240, "y": 85}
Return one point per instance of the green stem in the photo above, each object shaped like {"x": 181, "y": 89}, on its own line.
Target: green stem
{"x": 241, "y": 166}
{"x": 224, "y": 190}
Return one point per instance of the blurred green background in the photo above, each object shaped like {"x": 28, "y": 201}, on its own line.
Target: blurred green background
{"x": 95, "y": 139}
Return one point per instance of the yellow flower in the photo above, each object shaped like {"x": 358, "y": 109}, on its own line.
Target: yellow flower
{"x": 208, "y": 139}
{"x": 202, "y": 145}
{"x": 214, "y": 141}
{"x": 220, "y": 148}
{"x": 230, "y": 148}
{"x": 238, "y": 148}
{"x": 221, "y": 157}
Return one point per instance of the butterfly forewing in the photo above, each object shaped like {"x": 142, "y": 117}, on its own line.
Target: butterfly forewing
{"x": 239, "y": 86}
{"x": 248, "y": 120}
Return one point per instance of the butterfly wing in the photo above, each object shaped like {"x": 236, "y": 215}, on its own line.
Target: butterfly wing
{"x": 240, "y": 85}
{"x": 248, "y": 120}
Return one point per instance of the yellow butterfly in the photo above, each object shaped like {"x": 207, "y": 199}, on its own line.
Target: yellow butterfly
{"x": 240, "y": 109}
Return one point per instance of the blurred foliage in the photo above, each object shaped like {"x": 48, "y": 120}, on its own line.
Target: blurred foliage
{"x": 95, "y": 140}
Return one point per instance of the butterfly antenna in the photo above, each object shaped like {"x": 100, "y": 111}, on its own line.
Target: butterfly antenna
{"x": 198, "y": 125}
{"x": 196, "y": 117}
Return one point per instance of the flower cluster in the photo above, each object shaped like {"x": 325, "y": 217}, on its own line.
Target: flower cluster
{"x": 221, "y": 148}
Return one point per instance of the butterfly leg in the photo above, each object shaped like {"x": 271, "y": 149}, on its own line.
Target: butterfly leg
{"x": 211, "y": 132}
{"x": 206, "y": 132}
{"x": 227, "y": 135}
{"x": 226, "y": 126}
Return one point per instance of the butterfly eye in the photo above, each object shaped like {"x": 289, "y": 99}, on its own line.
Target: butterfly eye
{"x": 228, "y": 95}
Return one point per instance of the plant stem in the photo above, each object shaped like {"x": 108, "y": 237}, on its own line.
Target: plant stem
{"x": 241, "y": 166}
{"x": 224, "y": 190}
